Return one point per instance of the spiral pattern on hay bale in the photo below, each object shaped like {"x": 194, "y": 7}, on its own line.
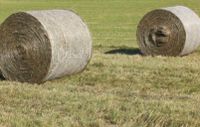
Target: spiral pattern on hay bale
{"x": 172, "y": 31}
{"x": 36, "y": 46}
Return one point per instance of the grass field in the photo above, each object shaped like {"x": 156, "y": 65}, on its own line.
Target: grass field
{"x": 119, "y": 88}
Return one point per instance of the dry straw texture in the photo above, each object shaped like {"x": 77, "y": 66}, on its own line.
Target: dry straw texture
{"x": 37, "y": 46}
{"x": 172, "y": 31}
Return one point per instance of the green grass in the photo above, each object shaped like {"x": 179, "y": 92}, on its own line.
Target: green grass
{"x": 116, "y": 90}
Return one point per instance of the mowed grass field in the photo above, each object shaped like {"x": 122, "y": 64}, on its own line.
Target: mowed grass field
{"x": 119, "y": 88}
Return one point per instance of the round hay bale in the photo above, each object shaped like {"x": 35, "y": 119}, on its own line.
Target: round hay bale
{"x": 36, "y": 46}
{"x": 172, "y": 31}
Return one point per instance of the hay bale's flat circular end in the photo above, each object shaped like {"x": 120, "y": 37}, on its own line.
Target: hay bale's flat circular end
{"x": 161, "y": 32}
{"x": 22, "y": 44}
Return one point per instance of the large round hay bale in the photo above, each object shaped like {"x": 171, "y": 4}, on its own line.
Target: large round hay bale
{"x": 36, "y": 46}
{"x": 172, "y": 31}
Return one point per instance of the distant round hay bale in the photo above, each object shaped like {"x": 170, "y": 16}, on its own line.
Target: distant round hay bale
{"x": 172, "y": 31}
{"x": 36, "y": 46}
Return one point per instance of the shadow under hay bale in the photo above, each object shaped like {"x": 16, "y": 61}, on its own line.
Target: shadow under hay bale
{"x": 132, "y": 51}
{"x": 2, "y": 78}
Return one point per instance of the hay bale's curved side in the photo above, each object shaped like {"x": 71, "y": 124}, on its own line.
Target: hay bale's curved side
{"x": 74, "y": 49}
{"x": 172, "y": 31}
{"x": 191, "y": 23}
{"x": 36, "y": 46}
